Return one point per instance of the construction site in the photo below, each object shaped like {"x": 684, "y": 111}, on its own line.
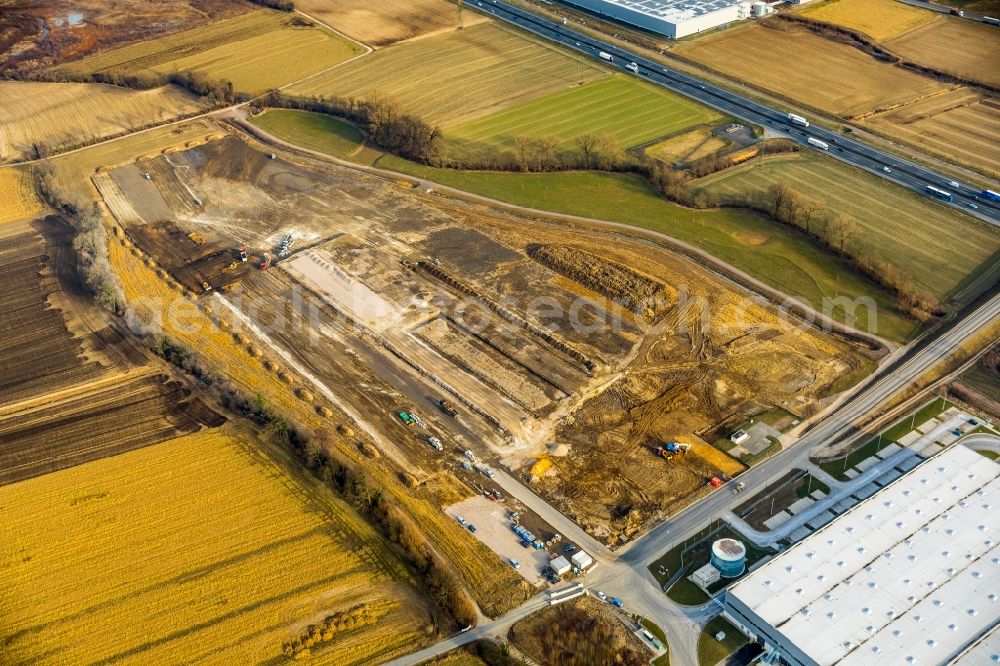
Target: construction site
{"x": 598, "y": 372}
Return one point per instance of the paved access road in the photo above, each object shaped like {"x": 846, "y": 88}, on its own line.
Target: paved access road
{"x": 877, "y": 162}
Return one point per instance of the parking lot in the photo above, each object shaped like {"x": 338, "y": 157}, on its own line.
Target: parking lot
{"x": 493, "y": 529}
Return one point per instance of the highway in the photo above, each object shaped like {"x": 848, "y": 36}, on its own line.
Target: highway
{"x": 943, "y": 9}
{"x": 840, "y": 146}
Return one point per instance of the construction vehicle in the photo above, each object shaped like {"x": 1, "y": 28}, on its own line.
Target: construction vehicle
{"x": 435, "y": 442}
{"x": 264, "y": 265}
{"x": 285, "y": 247}
{"x": 243, "y": 254}
{"x": 407, "y": 419}
{"x": 715, "y": 482}
{"x": 670, "y": 450}
{"x": 447, "y": 407}
{"x": 470, "y": 455}
{"x": 739, "y": 488}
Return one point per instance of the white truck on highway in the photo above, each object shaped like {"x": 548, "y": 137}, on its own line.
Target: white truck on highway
{"x": 816, "y": 143}
{"x": 797, "y": 120}
{"x": 606, "y": 56}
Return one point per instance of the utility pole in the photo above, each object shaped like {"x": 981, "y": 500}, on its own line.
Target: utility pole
{"x": 460, "y": 23}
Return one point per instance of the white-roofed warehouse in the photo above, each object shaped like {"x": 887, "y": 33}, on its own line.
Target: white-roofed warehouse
{"x": 909, "y": 576}
{"x": 672, "y": 18}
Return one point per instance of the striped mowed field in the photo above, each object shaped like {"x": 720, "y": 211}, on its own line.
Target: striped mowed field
{"x": 201, "y": 549}
{"x": 633, "y": 111}
{"x": 894, "y": 224}
{"x": 256, "y": 51}
{"x": 451, "y": 78}
{"x": 961, "y": 125}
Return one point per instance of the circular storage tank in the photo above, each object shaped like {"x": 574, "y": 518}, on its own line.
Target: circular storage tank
{"x": 729, "y": 556}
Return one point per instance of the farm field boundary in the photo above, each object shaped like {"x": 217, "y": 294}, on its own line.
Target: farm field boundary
{"x": 256, "y": 52}
{"x": 894, "y": 224}
{"x": 454, "y": 77}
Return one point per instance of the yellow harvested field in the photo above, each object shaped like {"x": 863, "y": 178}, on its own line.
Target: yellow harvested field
{"x": 65, "y": 115}
{"x": 18, "y": 200}
{"x": 454, "y": 77}
{"x": 204, "y": 549}
{"x": 880, "y": 19}
{"x": 968, "y": 49}
{"x": 801, "y": 65}
{"x": 256, "y": 51}
{"x": 960, "y": 125}
{"x": 691, "y": 145}
{"x": 388, "y": 21}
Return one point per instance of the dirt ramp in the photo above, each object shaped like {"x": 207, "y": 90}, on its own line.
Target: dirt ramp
{"x": 632, "y": 290}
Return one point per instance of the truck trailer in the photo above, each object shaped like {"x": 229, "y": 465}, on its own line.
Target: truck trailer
{"x": 816, "y": 143}
{"x": 606, "y": 56}
{"x": 797, "y": 120}
{"x": 937, "y": 192}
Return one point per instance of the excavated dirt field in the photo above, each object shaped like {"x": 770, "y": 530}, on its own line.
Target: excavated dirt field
{"x": 73, "y": 387}
{"x": 392, "y": 298}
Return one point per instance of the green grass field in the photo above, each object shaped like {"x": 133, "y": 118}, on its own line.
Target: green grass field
{"x": 789, "y": 261}
{"x": 311, "y": 130}
{"x": 951, "y": 255}
{"x": 711, "y": 651}
{"x": 256, "y": 51}
{"x": 454, "y": 77}
{"x": 632, "y": 111}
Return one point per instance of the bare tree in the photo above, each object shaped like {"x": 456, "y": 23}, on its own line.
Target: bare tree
{"x": 547, "y": 146}
{"x": 809, "y": 213}
{"x": 838, "y": 230}
{"x": 525, "y": 150}
{"x": 587, "y": 144}
{"x": 777, "y": 198}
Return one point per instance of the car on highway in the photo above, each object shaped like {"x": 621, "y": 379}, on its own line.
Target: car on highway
{"x": 887, "y": 169}
{"x": 461, "y": 521}
{"x": 973, "y": 206}
{"x": 472, "y": 528}
{"x": 514, "y": 563}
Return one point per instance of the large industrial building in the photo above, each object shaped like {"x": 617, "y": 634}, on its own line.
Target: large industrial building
{"x": 672, "y": 18}
{"x": 909, "y": 576}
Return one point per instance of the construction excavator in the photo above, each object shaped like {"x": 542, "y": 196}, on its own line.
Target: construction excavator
{"x": 670, "y": 450}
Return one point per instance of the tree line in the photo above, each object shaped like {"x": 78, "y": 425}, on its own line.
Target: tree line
{"x": 316, "y": 451}
{"x": 838, "y": 233}
{"x": 90, "y": 241}
{"x": 379, "y": 116}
